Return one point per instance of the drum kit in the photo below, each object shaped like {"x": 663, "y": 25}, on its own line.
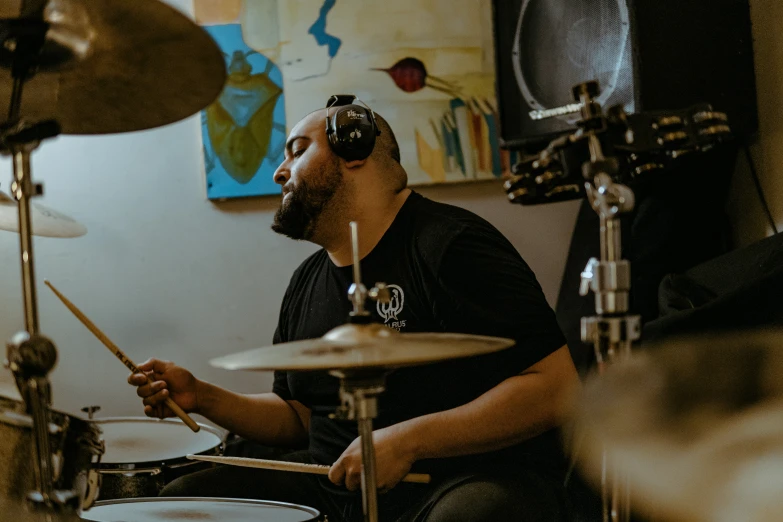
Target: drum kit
{"x": 108, "y": 66}
{"x": 702, "y": 442}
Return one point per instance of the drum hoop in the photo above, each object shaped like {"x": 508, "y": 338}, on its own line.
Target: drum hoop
{"x": 154, "y": 467}
{"x": 273, "y": 503}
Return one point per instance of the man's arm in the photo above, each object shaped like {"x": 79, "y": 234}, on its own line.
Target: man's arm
{"x": 265, "y": 418}
{"x": 515, "y": 410}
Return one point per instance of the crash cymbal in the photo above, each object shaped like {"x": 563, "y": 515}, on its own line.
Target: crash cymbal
{"x": 697, "y": 426}
{"x": 135, "y": 65}
{"x": 46, "y": 222}
{"x": 362, "y": 346}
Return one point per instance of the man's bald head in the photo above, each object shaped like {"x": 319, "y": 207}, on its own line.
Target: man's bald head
{"x": 386, "y": 152}
{"x": 386, "y": 145}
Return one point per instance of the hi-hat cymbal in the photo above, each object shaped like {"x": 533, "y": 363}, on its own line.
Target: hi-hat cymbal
{"x": 137, "y": 65}
{"x": 697, "y": 426}
{"x": 45, "y": 221}
{"x": 362, "y": 346}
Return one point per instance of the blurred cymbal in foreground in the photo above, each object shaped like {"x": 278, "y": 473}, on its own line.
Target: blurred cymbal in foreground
{"x": 696, "y": 424}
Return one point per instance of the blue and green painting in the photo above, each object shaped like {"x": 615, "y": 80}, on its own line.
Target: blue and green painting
{"x": 244, "y": 130}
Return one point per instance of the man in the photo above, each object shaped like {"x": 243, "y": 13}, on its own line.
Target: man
{"x": 484, "y": 427}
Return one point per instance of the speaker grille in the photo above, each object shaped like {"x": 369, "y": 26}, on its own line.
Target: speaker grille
{"x": 557, "y": 46}
{"x": 545, "y": 47}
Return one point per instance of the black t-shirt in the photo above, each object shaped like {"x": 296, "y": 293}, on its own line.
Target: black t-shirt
{"x": 449, "y": 271}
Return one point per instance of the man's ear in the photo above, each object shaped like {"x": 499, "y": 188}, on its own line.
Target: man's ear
{"x": 355, "y": 164}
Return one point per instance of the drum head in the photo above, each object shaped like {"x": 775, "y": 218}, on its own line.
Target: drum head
{"x": 206, "y": 509}
{"x": 137, "y": 440}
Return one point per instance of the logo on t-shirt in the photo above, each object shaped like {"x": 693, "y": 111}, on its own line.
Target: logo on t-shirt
{"x": 393, "y": 308}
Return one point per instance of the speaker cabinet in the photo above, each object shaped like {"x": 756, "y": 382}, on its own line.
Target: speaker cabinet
{"x": 646, "y": 55}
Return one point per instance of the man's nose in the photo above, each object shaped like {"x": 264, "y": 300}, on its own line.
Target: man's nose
{"x": 281, "y": 175}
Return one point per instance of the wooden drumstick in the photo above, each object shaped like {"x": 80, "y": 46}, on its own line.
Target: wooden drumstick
{"x": 296, "y": 467}
{"x": 179, "y": 412}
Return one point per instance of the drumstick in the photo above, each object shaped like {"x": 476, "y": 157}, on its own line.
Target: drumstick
{"x": 296, "y": 467}
{"x": 179, "y": 412}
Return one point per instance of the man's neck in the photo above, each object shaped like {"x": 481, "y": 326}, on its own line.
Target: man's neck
{"x": 372, "y": 223}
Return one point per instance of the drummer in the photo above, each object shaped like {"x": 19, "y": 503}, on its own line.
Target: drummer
{"x": 484, "y": 427}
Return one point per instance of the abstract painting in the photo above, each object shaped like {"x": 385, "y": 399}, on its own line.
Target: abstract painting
{"x": 427, "y": 66}
{"x": 244, "y": 130}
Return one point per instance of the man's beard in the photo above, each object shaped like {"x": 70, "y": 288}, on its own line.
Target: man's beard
{"x": 298, "y": 215}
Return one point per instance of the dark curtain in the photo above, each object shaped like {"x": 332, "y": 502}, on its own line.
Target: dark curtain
{"x": 678, "y": 222}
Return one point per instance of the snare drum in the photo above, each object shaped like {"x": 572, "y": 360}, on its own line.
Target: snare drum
{"x": 75, "y": 444}
{"x": 143, "y": 454}
{"x": 178, "y": 509}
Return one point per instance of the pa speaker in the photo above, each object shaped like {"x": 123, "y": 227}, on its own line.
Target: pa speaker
{"x": 645, "y": 54}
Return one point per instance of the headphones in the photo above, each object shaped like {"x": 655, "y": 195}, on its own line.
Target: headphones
{"x": 351, "y": 129}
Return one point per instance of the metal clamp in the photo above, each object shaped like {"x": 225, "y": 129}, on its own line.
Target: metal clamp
{"x": 357, "y": 292}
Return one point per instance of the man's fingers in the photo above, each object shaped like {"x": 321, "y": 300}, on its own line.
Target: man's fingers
{"x": 147, "y": 365}
{"x": 353, "y": 481}
{"x": 156, "y": 398}
{"x": 137, "y": 379}
{"x": 150, "y": 389}
{"x": 154, "y": 365}
{"x": 337, "y": 473}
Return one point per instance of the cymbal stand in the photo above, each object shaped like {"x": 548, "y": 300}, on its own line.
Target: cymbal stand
{"x": 30, "y": 356}
{"x": 359, "y": 389}
{"x": 612, "y": 331}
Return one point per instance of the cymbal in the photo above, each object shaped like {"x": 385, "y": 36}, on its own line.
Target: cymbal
{"x": 696, "y": 425}
{"x": 353, "y": 346}
{"x": 136, "y": 65}
{"x": 45, "y": 221}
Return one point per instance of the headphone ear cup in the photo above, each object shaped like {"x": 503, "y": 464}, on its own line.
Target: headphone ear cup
{"x": 351, "y": 132}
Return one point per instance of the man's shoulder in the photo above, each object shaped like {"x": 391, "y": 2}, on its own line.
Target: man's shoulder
{"x": 443, "y": 220}
{"x": 314, "y": 261}
{"x": 439, "y": 228}
{"x": 311, "y": 265}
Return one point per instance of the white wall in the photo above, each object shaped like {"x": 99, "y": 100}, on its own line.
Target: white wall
{"x": 166, "y": 273}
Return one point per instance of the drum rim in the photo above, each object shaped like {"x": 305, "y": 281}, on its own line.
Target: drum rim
{"x": 174, "y": 462}
{"x": 307, "y": 509}
{"x": 60, "y": 422}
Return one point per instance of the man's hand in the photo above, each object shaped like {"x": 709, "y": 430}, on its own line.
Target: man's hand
{"x": 393, "y": 460}
{"x": 169, "y": 380}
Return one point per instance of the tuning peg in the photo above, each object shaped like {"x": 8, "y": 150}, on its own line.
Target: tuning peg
{"x": 90, "y": 411}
